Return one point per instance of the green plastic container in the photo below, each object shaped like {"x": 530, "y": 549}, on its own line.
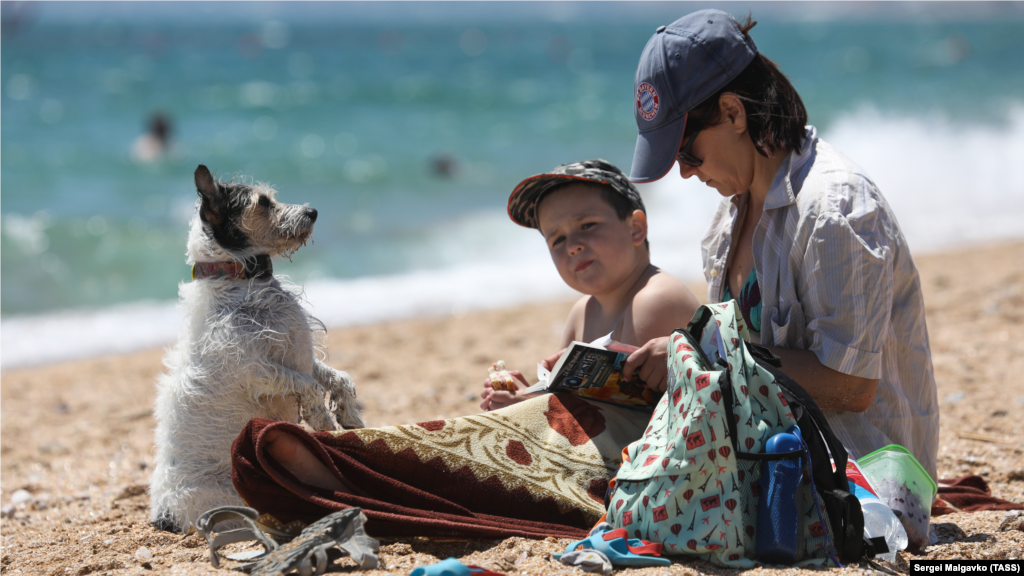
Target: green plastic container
{"x": 904, "y": 485}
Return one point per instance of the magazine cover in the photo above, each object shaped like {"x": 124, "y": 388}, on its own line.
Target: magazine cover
{"x": 596, "y": 373}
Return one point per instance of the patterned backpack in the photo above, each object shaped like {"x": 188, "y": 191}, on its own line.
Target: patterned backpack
{"x": 692, "y": 481}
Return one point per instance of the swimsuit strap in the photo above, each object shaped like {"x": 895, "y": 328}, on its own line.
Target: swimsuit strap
{"x": 749, "y": 301}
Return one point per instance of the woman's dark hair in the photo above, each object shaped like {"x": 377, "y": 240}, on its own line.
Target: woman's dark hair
{"x": 776, "y": 116}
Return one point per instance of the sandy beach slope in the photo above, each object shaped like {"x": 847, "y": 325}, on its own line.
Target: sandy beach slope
{"x": 78, "y": 436}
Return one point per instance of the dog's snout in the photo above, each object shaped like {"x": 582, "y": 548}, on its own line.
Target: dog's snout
{"x": 311, "y": 214}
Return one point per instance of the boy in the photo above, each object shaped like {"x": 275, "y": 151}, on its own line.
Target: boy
{"x": 595, "y": 226}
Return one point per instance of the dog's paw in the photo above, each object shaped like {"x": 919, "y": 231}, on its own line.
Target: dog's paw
{"x": 165, "y": 524}
{"x": 343, "y": 395}
{"x": 318, "y": 417}
{"x": 348, "y": 416}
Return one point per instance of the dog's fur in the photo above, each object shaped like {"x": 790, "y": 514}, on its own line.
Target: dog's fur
{"x": 249, "y": 350}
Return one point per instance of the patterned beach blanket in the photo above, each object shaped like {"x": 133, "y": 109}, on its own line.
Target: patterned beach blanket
{"x": 535, "y": 469}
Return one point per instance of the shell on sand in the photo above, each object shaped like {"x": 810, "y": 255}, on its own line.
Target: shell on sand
{"x": 78, "y": 436}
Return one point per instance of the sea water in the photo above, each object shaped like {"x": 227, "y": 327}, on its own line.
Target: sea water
{"x": 407, "y": 125}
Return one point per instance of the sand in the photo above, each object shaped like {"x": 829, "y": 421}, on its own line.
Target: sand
{"x": 77, "y": 437}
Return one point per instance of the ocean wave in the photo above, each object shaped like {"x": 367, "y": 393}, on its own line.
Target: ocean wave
{"x": 950, "y": 184}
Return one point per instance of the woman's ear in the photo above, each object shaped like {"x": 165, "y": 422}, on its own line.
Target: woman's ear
{"x": 638, "y": 227}
{"x": 731, "y": 108}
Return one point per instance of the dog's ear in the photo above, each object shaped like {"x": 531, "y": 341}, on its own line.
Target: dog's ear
{"x": 209, "y": 191}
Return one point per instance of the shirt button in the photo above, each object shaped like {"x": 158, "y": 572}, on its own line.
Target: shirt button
{"x": 660, "y": 29}
{"x": 714, "y": 273}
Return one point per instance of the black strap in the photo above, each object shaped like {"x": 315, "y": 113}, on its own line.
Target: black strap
{"x": 824, "y": 475}
{"x": 878, "y": 546}
{"x": 851, "y": 548}
{"x": 697, "y": 328}
{"x": 764, "y": 355}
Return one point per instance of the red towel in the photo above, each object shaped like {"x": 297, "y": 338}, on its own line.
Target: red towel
{"x": 968, "y": 494}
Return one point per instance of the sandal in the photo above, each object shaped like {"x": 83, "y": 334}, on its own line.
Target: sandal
{"x": 332, "y": 537}
{"x": 619, "y": 551}
{"x": 207, "y": 523}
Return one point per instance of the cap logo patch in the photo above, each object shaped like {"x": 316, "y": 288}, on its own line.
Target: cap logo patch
{"x": 647, "y": 101}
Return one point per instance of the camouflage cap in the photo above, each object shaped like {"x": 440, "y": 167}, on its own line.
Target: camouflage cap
{"x": 522, "y": 203}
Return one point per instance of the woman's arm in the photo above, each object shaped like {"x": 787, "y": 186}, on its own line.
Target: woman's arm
{"x": 832, "y": 391}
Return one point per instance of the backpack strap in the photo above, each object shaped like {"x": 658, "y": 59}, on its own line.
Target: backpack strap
{"x": 845, "y": 513}
{"x": 826, "y": 478}
{"x": 696, "y": 327}
{"x": 764, "y": 355}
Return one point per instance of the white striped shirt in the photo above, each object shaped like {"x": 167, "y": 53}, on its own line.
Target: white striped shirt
{"x": 836, "y": 277}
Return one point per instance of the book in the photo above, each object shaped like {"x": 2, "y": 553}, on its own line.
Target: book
{"x": 595, "y": 372}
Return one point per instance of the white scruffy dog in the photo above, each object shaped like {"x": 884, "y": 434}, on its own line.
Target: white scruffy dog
{"x": 249, "y": 350}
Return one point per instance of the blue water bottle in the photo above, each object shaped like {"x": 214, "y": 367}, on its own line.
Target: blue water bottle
{"x": 778, "y": 518}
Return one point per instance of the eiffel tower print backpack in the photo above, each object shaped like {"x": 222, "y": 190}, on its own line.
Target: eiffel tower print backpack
{"x": 694, "y": 480}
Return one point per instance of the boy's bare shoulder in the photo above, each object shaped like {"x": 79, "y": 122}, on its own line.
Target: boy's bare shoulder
{"x": 664, "y": 290}
{"x": 579, "y": 309}
{"x": 662, "y": 305}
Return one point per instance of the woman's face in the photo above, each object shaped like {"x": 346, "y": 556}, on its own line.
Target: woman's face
{"x": 726, "y": 151}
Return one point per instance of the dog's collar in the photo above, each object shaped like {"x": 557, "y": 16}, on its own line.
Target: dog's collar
{"x": 259, "y": 268}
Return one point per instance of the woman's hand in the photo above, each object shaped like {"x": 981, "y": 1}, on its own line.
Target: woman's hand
{"x": 649, "y": 364}
{"x": 495, "y": 399}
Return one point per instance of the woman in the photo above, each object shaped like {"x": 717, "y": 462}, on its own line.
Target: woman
{"x": 803, "y": 240}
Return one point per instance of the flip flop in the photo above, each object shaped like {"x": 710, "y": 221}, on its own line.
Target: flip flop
{"x": 207, "y": 523}
{"x": 635, "y": 545}
{"x": 451, "y": 567}
{"x": 333, "y": 536}
{"x": 620, "y": 552}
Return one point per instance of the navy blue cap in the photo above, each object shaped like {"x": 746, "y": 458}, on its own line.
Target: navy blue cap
{"x": 682, "y": 65}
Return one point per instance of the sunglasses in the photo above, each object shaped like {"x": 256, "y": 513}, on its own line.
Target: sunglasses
{"x": 684, "y": 156}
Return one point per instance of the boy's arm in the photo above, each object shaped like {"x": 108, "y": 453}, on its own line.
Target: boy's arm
{"x": 492, "y": 399}
{"x": 573, "y": 329}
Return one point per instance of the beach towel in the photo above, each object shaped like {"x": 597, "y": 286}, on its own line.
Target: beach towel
{"x": 535, "y": 469}
{"x": 968, "y": 494}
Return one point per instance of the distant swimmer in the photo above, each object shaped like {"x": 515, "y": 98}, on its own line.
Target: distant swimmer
{"x": 155, "y": 143}
{"x": 18, "y": 17}
{"x": 444, "y": 166}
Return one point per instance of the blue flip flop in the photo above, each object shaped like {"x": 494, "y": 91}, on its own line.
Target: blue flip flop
{"x": 617, "y": 549}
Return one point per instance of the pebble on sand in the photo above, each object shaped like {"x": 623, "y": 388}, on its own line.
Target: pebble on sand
{"x": 21, "y": 496}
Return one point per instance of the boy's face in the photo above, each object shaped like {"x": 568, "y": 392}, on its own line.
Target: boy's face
{"x": 592, "y": 249}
